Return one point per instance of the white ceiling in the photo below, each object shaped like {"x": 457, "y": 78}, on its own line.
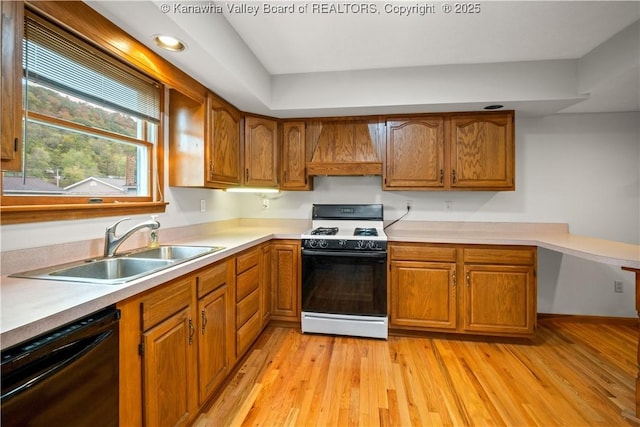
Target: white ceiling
{"x": 535, "y": 57}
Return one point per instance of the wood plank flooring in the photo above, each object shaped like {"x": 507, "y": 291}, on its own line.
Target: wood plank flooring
{"x": 572, "y": 374}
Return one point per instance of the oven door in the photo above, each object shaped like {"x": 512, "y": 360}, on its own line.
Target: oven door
{"x": 344, "y": 282}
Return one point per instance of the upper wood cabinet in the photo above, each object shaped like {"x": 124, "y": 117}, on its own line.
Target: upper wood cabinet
{"x": 482, "y": 151}
{"x": 260, "y": 152}
{"x": 461, "y": 151}
{"x": 415, "y": 153}
{"x": 11, "y": 84}
{"x": 204, "y": 142}
{"x": 293, "y": 159}
{"x": 224, "y": 162}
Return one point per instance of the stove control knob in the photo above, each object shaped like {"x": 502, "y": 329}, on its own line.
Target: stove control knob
{"x": 312, "y": 243}
{"x": 323, "y": 243}
{"x": 371, "y": 244}
{"x": 342, "y": 243}
{"x": 361, "y": 244}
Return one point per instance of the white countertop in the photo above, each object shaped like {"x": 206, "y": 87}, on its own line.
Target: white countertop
{"x": 31, "y": 307}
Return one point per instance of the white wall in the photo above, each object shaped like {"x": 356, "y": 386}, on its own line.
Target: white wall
{"x": 582, "y": 169}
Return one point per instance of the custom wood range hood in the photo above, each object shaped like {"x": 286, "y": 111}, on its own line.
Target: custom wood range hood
{"x": 345, "y": 147}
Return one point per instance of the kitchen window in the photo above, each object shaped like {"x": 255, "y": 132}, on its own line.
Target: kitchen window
{"x": 91, "y": 129}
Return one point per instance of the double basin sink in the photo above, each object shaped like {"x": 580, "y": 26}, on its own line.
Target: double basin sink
{"x": 121, "y": 268}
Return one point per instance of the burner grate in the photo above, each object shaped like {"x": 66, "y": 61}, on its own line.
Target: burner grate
{"x": 325, "y": 231}
{"x": 362, "y": 231}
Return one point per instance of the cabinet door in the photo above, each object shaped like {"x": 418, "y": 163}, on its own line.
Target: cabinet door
{"x": 482, "y": 151}
{"x": 223, "y": 153}
{"x": 213, "y": 345}
{"x": 294, "y": 157}
{"x": 168, "y": 371}
{"x": 285, "y": 283}
{"x": 11, "y": 82}
{"x": 261, "y": 152}
{"x": 499, "y": 299}
{"x": 423, "y": 294}
{"x": 415, "y": 153}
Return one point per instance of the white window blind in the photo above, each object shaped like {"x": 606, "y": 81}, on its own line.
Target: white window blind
{"x": 63, "y": 62}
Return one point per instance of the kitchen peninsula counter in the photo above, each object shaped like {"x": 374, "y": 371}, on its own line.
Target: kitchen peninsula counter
{"x": 552, "y": 236}
{"x": 30, "y": 307}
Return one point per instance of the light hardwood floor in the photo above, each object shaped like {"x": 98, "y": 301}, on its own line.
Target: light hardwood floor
{"x": 573, "y": 373}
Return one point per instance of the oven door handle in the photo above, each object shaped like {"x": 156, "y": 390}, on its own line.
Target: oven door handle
{"x": 354, "y": 254}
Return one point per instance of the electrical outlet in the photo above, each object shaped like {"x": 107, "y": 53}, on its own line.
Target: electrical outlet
{"x": 409, "y": 204}
{"x": 265, "y": 203}
{"x": 618, "y": 286}
{"x": 203, "y": 205}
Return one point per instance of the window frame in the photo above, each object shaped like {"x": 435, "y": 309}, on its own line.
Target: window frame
{"x": 23, "y": 209}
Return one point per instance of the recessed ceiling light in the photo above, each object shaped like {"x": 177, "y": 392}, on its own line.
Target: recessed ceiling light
{"x": 169, "y": 43}
{"x": 493, "y": 107}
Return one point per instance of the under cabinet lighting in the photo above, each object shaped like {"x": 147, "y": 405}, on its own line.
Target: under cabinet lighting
{"x": 251, "y": 190}
{"x": 169, "y": 43}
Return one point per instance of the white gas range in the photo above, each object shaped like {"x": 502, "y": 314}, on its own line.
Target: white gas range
{"x": 344, "y": 285}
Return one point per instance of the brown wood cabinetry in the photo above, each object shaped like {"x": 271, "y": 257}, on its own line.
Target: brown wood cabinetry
{"x": 204, "y": 142}
{"x": 260, "y": 152}
{"x": 168, "y": 355}
{"x": 11, "y": 28}
{"x": 472, "y": 289}
{"x": 482, "y": 151}
{"x": 415, "y": 153}
{"x": 423, "y": 287}
{"x": 285, "y": 280}
{"x": 293, "y": 159}
{"x": 266, "y": 260}
{"x": 216, "y": 331}
{"x": 224, "y": 162}
{"x": 470, "y": 151}
{"x": 500, "y": 291}
{"x": 248, "y": 317}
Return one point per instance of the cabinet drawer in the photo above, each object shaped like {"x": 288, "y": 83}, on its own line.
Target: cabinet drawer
{"x": 212, "y": 278}
{"x": 247, "y": 308}
{"x": 166, "y": 301}
{"x": 247, "y": 260}
{"x": 247, "y": 282}
{"x": 515, "y": 256}
{"x": 423, "y": 253}
{"x": 247, "y": 333}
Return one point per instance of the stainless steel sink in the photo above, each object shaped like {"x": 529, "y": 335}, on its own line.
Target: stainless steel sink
{"x": 174, "y": 252}
{"x": 113, "y": 270}
{"x": 123, "y": 268}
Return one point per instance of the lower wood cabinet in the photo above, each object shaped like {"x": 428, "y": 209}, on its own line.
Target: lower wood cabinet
{"x": 216, "y": 331}
{"x": 177, "y": 344}
{"x": 285, "y": 280}
{"x": 487, "y": 290}
{"x": 248, "y": 292}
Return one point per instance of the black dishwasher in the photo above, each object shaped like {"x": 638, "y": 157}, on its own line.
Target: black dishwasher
{"x": 66, "y": 377}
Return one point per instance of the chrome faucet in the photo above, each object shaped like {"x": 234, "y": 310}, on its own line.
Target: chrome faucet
{"x": 113, "y": 242}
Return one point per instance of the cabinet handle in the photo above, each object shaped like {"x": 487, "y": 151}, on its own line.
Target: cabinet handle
{"x": 210, "y": 170}
{"x": 204, "y": 321}
{"x": 285, "y": 176}
{"x": 441, "y": 176}
{"x": 192, "y": 331}
{"x": 453, "y": 176}
{"x": 468, "y": 279}
{"x": 15, "y": 144}
{"x": 246, "y": 175}
{"x": 453, "y": 277}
